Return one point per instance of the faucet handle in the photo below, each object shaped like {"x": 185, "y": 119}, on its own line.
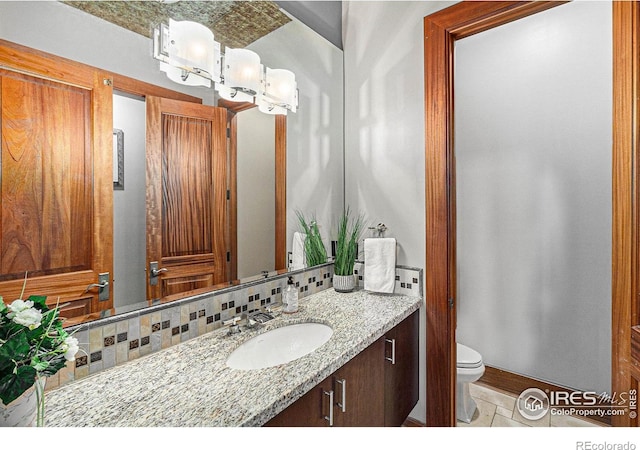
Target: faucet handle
{"x": 234, "y": 328}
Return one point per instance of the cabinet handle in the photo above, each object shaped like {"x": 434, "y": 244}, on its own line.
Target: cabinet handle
{"x": 343, "y": 387}
{"x": 329, "y": 418}
{"x": 393, "y": 350}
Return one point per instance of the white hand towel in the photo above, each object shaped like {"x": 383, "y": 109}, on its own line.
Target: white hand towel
{"x": 297, "y": 251}
{"x": 380, "y": 265}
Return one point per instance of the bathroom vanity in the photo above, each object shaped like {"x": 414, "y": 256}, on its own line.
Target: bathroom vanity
{"x": 378, "y": 387}
{"x": 190, "y": 384}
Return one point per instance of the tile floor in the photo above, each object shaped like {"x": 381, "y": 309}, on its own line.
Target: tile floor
{"x": 497, "y": 409}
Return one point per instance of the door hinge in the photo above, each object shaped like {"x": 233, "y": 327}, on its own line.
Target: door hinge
{"x": 228, "y": 133}
{"x": 451, "y": 303}
{"x": 228, "y": 194}
{"x": 228, "y": 256}
{"x": 107, "y": 81}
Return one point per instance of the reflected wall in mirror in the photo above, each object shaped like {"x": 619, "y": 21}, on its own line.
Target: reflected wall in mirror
{"x": 256, "y": 192}
{"x": 314, "y": 180}
{"x": 129, "y": 245}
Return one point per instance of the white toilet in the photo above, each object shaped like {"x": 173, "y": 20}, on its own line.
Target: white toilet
{"x": 469, "y": 369}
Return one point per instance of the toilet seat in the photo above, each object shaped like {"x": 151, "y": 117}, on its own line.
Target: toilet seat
{"x": 467, "y": 358}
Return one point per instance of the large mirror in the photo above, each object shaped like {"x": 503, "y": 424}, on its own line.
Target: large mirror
{"x": 314, "y": 144}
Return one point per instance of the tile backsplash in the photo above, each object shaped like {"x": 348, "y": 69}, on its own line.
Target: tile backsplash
{"x": 108, "y": 342}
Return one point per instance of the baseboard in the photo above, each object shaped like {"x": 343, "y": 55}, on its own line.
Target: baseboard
{"x": 513, "y": 383}
{"x": 413, "y": 423}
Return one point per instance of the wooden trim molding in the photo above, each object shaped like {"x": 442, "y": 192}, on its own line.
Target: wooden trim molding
{"x": 28, "y": 60}
{"x": 441, "y": 30}
{"x": 281, "y": 193}
{"x": 143, "y": 89}
{"x": 280, "y": 235}
{"x": 410, "y": 422}
{"x": 515, "y": 384}
{"x": 625, "y": 274}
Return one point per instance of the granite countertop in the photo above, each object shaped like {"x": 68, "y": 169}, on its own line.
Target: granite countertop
{"x": 189, "y": 384}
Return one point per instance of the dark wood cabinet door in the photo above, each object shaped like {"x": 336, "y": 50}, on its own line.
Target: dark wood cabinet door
{"x": 311, "y": 410}
{"x": 359, "y": 389}
{"x": 401, "y": 388}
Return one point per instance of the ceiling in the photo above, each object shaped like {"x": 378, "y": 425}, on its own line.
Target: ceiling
{"x": 235, "y": 24}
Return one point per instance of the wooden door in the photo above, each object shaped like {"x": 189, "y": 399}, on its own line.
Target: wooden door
{"x": 56, "y": 181}
{"x": 187, "y": 212}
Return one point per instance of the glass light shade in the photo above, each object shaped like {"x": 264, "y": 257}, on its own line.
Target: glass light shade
{"x": 280, "y": 86}
{"x": 242, "y": 70}
{"x": 191, "y": 49}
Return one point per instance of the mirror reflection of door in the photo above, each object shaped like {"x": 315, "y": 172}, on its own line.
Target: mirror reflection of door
{"x": 186, "y": 196}
{"x": 255, "y": 192}
{"x": 54, "y": 197}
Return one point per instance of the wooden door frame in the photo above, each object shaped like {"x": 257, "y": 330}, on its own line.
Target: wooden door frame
{"x": 626, "y": 153}
{"x": 280, "y": 212}
{"x": 441, "y": 30}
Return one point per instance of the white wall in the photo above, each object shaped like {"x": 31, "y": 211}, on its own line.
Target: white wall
{"x": 315, "y": 131}
{"x": 533, "y": 153}
{"x": 129, "y": 205}
{"x": 256, "y": 192}
{"x": 384, "y": 126}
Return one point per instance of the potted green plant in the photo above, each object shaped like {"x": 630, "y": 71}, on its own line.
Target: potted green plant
{"x": 33, "y": 346}
{"x": 314, "y": 251}
{"x": 349, "y": 232}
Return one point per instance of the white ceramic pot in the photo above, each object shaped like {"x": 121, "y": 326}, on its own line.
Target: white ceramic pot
{"x": 23, "y": 411}
{"x": 344, "y": 283}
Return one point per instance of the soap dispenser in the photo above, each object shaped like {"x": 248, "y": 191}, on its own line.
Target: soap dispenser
{"x": 290, "y": 300}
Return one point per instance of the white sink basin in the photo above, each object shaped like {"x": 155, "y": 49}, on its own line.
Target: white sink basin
{"x": 279, "y": 346}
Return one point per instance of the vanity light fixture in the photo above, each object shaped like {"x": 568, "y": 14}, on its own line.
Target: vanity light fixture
{"x": 241, "y": 74}
{"x": 187, "y": 52}
{"x": 189, "y": 55}
{"x": 279, "y": 93}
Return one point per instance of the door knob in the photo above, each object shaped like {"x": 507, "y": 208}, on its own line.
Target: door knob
{"x": 156, "y": 272}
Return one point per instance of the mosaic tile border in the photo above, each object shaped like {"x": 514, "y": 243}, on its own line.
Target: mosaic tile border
{"x": 408, "y": 279}
{"x": 108, "y": 342}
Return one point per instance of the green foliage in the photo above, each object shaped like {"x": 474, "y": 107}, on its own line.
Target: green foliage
{"x": 33, "y": 344}
{"x": 315, "y": 252}
{"x": 349, "y": 231}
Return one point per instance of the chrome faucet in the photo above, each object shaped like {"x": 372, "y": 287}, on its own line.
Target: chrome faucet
{"x": 234, "y": 328}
